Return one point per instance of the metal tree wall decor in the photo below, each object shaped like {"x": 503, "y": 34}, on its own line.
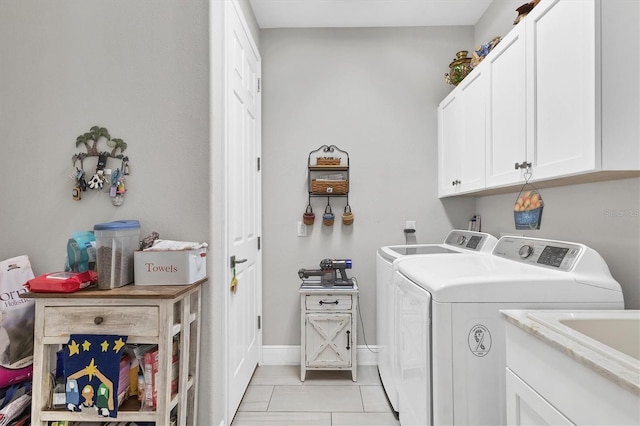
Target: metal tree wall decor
{"x": 103, "y": 176}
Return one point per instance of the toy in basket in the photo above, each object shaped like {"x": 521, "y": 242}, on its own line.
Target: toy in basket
{"x": 527, "y": 211}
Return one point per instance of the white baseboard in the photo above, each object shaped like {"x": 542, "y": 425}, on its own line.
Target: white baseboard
{"x": 290, "y": 355}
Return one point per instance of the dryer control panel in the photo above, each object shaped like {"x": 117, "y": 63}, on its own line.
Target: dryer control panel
{"x": 559, "y": 255}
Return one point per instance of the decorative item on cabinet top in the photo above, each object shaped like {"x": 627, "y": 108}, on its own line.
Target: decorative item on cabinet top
{"x": 458, "y": 69}
{"x": 483, "y": 50}
{"x": 524, "y": 10}
{"x": 103, "y": 176}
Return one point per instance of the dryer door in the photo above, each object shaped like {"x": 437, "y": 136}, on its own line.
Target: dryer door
{"x": 413, "y": 356}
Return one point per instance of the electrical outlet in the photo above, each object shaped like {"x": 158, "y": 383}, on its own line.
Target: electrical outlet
{"x": 410, "y": 224}
{"x": 302, "y": 229}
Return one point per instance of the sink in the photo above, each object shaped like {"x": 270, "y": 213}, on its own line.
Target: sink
{"x": 614, "y": 334}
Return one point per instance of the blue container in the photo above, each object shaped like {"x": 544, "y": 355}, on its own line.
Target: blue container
{"x": 530, "y": 219}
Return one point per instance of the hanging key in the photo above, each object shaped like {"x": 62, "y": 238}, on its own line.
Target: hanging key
{"x": 234, "y": 282}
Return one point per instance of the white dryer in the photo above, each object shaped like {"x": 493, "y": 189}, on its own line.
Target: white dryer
{"x": 457, "y": 241}
{"x": 451, "y": 343}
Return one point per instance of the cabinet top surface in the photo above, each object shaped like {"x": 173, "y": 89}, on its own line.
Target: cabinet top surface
{"x": 125, "y": 292}
{"x": 320, "y": 289}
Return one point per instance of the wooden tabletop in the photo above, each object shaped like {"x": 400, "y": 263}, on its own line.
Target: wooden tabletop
{"x": 130, "y": 291}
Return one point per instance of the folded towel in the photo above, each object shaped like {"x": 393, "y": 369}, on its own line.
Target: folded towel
{"x": 169, "y": 245}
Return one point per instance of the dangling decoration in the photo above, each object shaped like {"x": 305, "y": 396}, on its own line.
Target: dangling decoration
{"x": 97, "y": 181}
{"x": 102, "y": 175}
{"x": 527, "y": 211}
{"x": 117, "y": 188}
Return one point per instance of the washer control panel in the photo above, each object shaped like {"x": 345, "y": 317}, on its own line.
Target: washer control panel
{"x": 559, "y": 255}
{"x": 470, "y": 240}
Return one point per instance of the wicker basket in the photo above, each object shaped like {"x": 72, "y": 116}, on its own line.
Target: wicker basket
{"x": 328, "y": 161}
{"x": 336, "y": 187}
{"x": 347, "y": 216}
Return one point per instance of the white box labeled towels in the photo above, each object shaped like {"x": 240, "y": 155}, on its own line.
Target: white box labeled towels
{"x": 171, "y": 263}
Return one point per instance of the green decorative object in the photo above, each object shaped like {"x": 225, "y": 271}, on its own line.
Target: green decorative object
{"x": 458, "y": 69}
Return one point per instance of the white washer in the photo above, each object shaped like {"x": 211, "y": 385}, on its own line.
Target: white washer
{"x": 457, "y": 241}
{"x": 451, "y": 343}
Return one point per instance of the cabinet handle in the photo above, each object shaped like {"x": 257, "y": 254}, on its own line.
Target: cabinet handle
{"x": 522, "y": 165}
{"x": 98, "y": 320}
{"x": 348, "y": 340}
{"x": 456, "y": 182}
{"x": 322, "y": 302}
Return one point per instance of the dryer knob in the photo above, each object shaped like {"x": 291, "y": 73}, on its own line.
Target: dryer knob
{"x": 461, "y": 240}
{"x": 525, "y": 251}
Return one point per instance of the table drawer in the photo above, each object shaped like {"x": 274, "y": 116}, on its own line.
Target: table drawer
{"x": 328, "y": 302}
{"x": 139, "y": 321}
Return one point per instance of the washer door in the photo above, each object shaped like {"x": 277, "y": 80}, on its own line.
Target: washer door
{"x": 413, "y": 354}
{"x": 386, "y": 328}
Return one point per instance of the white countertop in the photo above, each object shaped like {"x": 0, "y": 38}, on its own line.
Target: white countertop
{"x": 599, "y": 362}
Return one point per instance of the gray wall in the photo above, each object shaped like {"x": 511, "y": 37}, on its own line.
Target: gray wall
{"x": 373, "y": 93}
{"x": 140, "y": 72}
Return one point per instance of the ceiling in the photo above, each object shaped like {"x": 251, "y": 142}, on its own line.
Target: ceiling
{"x": 366, "y": 13}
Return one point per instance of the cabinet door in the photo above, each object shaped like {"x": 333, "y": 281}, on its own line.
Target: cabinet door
{"x": 462, "y": 134}
{"x": 561, "y": 60}
{"x": 507, "y": 139}
{"x": 526, "y": 407}
{"x": 328, "y": 340}
{"x": 475, "y": 90}
{"x": 450, "y": 134}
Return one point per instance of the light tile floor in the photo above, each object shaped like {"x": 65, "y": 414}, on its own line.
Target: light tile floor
{"x": 276, "y": 396}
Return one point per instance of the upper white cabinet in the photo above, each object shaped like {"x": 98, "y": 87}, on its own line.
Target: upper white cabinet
{"x": 462, "y": 131}
{"x": 563, "y": 90}
{"x": 563, "y": 106}
{"x": 507, "y": 112}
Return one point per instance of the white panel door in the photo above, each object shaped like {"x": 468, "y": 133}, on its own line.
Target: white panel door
{"x": 244, "y": 206}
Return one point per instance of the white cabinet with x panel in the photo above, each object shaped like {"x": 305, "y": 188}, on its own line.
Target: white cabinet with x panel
{"x": 329, "y": 319}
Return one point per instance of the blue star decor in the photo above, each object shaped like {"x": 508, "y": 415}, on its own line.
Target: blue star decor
{"x": 91, "y": 368}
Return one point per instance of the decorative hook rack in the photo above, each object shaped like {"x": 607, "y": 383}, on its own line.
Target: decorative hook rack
{"x": 115, "y": 180}
{"x": 328, "y": 176}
